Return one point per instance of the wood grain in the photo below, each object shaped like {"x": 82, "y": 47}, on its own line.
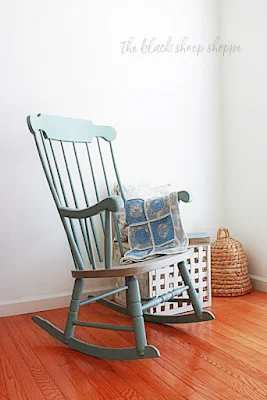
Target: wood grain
{"x": 174, "y": 352}
{"x": 217, "y": 360}
{"x": 132, "y": 269}
{"x": 44, "y": 381}
{"x": 25, "y": 385}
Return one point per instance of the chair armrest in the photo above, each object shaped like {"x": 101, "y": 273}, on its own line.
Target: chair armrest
{"x": 185, "y": 196}
{"x": 111, "y": 203}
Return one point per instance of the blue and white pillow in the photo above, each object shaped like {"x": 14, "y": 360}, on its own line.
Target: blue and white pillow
{"x": 155, "y": 228}
{"x": 134, "y": 192}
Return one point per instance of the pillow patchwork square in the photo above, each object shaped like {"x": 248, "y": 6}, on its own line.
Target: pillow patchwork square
{"x": 162, "y": 231}
{"x": 155, "y": 228}
{"x": 140, "y": 237}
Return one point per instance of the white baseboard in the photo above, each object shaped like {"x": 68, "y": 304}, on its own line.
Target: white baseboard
{"x": 259, "y": 283}
{"x": 42, "y": 303}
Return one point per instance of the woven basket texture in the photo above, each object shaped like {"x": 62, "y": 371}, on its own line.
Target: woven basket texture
{"x": 229, "y": 266}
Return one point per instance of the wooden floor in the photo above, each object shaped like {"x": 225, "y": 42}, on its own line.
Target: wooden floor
{"x": 221, "y": 359}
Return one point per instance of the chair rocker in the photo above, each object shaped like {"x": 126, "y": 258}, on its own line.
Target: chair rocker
{"x": 72, "y": 154}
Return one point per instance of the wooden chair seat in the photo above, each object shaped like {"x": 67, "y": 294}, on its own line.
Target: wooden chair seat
{"x": 119, "y": 270}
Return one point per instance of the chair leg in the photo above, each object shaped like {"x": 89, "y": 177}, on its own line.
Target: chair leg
{"x": 135, "y": 310}
{"x": 141, "y": 351}
{"x": 73, "y": 310}
{"x": 127, "y": 307}
{"x": 191, "y": 291}
{"x": 198, "y": 316}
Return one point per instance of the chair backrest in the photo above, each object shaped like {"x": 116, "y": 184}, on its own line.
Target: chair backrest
{"x": 72, "y": 153}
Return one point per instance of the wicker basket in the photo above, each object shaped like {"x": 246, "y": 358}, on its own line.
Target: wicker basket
{"x": 229, "y": 267}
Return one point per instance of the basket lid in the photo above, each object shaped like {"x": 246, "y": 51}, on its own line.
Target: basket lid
{"x": 224, "y": 239}
{"x": 227, "y": 251}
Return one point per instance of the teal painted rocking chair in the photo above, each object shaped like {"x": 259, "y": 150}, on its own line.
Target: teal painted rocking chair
{"x": 72, "y": 153}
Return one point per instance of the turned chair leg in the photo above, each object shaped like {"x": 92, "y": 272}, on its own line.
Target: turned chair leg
{"x": 191, "y": 291}
{"x": 135, "y": 310}
{"x": 74, "y": 308}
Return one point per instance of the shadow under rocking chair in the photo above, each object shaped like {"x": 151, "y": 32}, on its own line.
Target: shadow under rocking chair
{"x": 65, "y": 149}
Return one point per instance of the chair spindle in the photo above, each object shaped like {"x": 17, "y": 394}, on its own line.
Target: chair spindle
{"x": 93, "y": 227}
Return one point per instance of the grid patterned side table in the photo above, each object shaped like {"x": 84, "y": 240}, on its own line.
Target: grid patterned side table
{"x": 155, "y": 283}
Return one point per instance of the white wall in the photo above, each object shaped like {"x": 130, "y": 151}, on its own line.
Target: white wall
{"x": 244, "y": 131}
{"x": 64, "y": 58}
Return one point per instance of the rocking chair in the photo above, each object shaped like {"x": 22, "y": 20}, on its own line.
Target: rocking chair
{"x": 65, "y": 147}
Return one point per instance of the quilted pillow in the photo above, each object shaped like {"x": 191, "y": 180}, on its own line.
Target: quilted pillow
{"x": 155, "y": 228}
{"x": 133, "y": 192}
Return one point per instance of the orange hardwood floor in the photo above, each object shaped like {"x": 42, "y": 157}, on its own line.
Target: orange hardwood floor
{"x": 221, "y": 359}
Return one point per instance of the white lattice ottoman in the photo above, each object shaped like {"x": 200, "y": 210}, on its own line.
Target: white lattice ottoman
{"x": 155, "y": 283}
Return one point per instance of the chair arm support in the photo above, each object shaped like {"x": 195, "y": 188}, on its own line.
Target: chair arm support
{"x": 111, "y": 203}
{"x": 185, "y": 196}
